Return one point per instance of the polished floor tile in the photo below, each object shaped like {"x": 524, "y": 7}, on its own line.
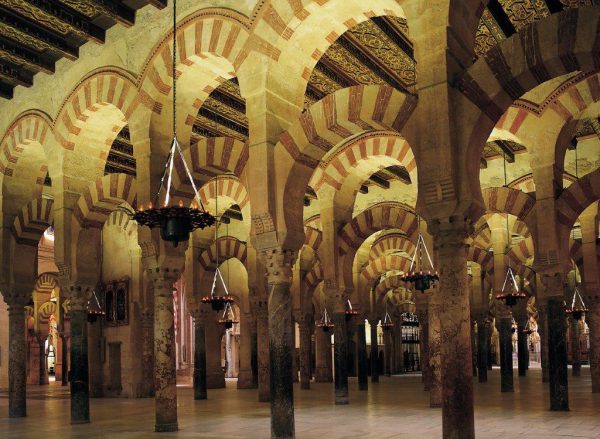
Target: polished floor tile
{"x": 394, "y": 408}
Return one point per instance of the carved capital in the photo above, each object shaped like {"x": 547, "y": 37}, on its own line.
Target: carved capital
{"x": 79, "y": 296}
{"x": 554, "y": 283}
{"x": 278, "y": 263}
{"x": 163, "y": 279}
{"x": 450, "y": 233}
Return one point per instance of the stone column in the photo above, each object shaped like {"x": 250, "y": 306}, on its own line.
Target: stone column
{"x": 200, "y": 356}
{"x": 306, "y": 325}
{"x": 94, "y": 364}
{"x": 361, "y": 354}
{"x": 422, "y": 302}
{"x": 295, "y": 360}
{"x": 435, "y": 339}
{"x": 260, "y": 308}
{"x": 324, "y": 371}
{"x": 592, "y": 318}
{"x": 165, "y": 382}
{"x": 245, "y": 373}
{"x": 482, "y": 348}
{"x": 278, "y": 263}
{"x": 254, "y": 356}
{"x": 213, "y": 333}
{"x": 387, "y": 352}
{"x": 147, "y": 323}
{"x": 457, "y": 377}
{"x": 504, "y": 326}
{"x": 575, "y": 347}
{"x": 523, "y": 350}
{"x": 340, "y": 355}
{"x": 17, "y": 357}
{"x": 80, "y": 392}
{"x": 473, "y": 349}
{"x": 374, "y": 351}
{"x": 542, "y": 330}
{"x": 557, "y": 355}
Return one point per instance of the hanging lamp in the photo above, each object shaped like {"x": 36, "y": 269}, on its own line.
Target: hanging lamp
{"x": 94, "y": 309}
{"x": 216, "y": 301}
{"x": 510, "y": 289}
{"x": 325, "y": 323}
{"x": 577, "y": 308}
{"x": 228, "y": 317}
{"x": 350, "y": 312}
{"x": 175, "y": 221}
{"x": 387, "y": 322}
{"x": 421, "y": 280}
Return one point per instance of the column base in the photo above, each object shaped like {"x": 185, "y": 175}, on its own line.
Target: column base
{"x": 162, "y": 428}
{"x": 79, "y": 421}
{"x": 435, "y": 405}
{"x": 305, "y": 385}
{"x": 18, "y": 414}
{"x": 341, "y": 400}
{"x": 245, "y": 380}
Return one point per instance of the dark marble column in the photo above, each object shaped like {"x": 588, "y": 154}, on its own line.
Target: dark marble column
{"x": 306, "y": 329}
{"x": 245, "y": 380}
{"x": 340, "y": 354}
{"x": 165, "y": 383}
{"x": 17, "y": 357}
{"x": 435, "y": 359}
{"x": 482, "y": 349}
{"x": 387, "y": 352}
{"x": 457, "y": 376}
{"x": 94, "y": 363}
{"x": 422, "y": 315}
{"x": 361, "y": 354}
{"x": 557, "y": 355}
{"x": 254, "y": 356}
{"x": 575, "y": 347}
{"x": 80, "y": 391}
{"x": 147, "y": 317}
{"x": 542, "y": 329}
{"x": 504, "y": 325}
{"x": 473, "y": 349}
{"x": 523, "y": 351}
{"x": 324, "y": 370}
{"x": 374, "y": 351}
{"x": 278, "y": 263}
{"x": 199, "y": 359}
{"x": 260, "y": 308}
{"x": 593, "y": 321}
{"x": 490, "y": 357}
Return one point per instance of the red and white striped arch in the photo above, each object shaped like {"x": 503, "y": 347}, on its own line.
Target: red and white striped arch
{"x": 391, "y": 242}
{"x": 389, "y": 147}
{"x": 45, "y": 283}
{"x": 102, "y": 197}
{"x": 33, "y": 220}
{"x": 508, "y": 200}
{"x": 381, "y": 216}
{"x": 313, "y": 238}
{"x": 227, "y": 247}
{"x": 314, "y": 277}
{"x": 577, "y": 197}
{"x": 46, "y": 311}
{"x": 383, "y": 264}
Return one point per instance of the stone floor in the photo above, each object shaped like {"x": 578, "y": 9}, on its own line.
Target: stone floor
{"x": 394, "y": 408}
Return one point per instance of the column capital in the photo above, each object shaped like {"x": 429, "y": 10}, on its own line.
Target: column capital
{"x": 260, "y": 307}
{"x": 554, "y": 282}
{"x": 450, "y": 233}
{"x": 278, "y": 263}
{"x": 163, "y": 278}
{"x": 79, "y": 296}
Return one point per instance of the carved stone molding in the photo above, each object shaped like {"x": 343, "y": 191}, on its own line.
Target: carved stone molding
{"x": 278, "y": 263}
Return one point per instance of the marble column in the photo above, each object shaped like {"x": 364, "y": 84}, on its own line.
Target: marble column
{"x": 340, "y": 356}
{"x": 213, "y": 333}
{"x": 17, "y": 356}
{"x": 504, "y": 326}
{"x": 473, "y": 349}
{"x": 435, "y": 359}
{"x": 361, "y": 354}
{"x": 306, "y": 329}
{"x": 43, "y": 362}
{"x": 542, "y": 330}
{"x": 245, "y": 373}
{"x": 373, "y": 322}
{"x": 593, "y": 320}
{"x": 200, "y": 388}
{"x": 254, "y": 356}
{"x": 147, "y": 322}
{"x": 457, "y": 376}
{"x": 324, "y": 369}
{"x": 522, "y": 349}
{"x": 260, "y": 308}
{"x": 80, "y": 391}
{"x": 557, "y": 355}
{"x": 387, "y": 352}
{"x": 165, "y": 383}
{"x": 94, "y": 363}
{"x": 575, "y": 347}
{"x": 482, "y": 349}
{"x": 295, "y": 359}
{"x": 278, "y": 263}
{"x": 423, "y": 316}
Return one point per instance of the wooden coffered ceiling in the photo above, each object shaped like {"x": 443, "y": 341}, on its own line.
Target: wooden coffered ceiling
{"x": 34, "y": 34}
{"x": 499, "y": 149}
{"x": 502, "y": 18}
{"x": 376, "y": 51}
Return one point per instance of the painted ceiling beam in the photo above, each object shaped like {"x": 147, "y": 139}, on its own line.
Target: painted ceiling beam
{"x": 501, "y": 18}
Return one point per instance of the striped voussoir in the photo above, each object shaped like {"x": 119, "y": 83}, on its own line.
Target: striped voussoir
{"x": 383, "y": 264}
{"x": 575, "y": 251}
{"x": 99, "y": 89}
{"x": 342, "y": 114}
{"x": 123, "y": 221}
{"x": 386, "y": 145}
{"x": 228, "y": 187}
{"x": 525, "y": 60}
{"x": 482, "y": 257}
{"x": 218, "y": 32}
{"x": 401, "y": 300}
{"x": 394, "y": 282}
{"x": 228, "y": 247}
{"x": 46, "y": 311}
{"x": 103, "y": 197}
{"x": 31, "y": 126}
{"x": 45, "y": 283}
{"x": 314, "y": 277}
{"x": 380, "y": 216}
{"x": 482, "y": 236}
{"x": 508, "y": 200}
{"x": 392, "y": 242}
{"x": 313, "y": 238}
{"x": 33, "y": 220}
{"x": 577, "y": 197}
{"x": 520, "y": 253}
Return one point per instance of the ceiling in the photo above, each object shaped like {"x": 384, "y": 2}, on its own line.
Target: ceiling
{"x": 503, "y": 18}
{"x": 35, "y": 34}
